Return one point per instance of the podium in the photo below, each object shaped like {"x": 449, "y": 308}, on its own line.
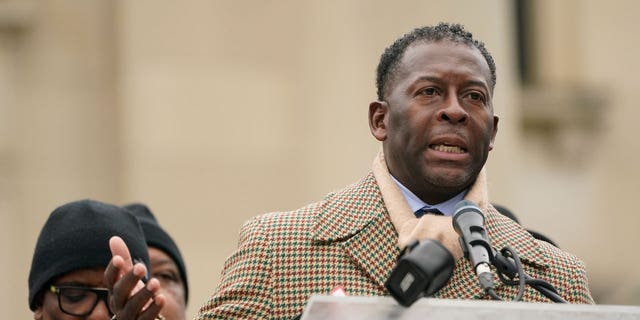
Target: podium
{"x": 379, "y": 308}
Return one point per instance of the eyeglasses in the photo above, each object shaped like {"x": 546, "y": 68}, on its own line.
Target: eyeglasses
{"x": 80, "y": 301}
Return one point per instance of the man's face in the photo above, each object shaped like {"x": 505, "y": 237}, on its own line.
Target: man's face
{"x": 437, "y": 123}
{"x": 90, "y": 278}
{"x": 171, "y": 284}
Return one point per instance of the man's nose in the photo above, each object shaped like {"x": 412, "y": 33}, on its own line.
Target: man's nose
{"x": 453, "y": 111}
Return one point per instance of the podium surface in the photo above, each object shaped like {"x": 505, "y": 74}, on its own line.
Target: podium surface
{"x": 328, "y": 307}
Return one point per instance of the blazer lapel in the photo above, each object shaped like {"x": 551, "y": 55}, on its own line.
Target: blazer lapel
{"x": 374, "y": 249}
{"x": 357, "y": 220}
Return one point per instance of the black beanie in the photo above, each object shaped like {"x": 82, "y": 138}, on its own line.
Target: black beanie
{"x": 160, "y": 239}
{"x": 76, "y": 236}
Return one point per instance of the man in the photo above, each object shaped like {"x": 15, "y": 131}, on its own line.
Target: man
{"x": 434, "y": 117}
{"x": 167, "y": 264}
{"x": 66, "y": 280}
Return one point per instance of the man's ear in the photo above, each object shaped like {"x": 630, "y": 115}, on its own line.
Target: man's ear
{"x": 378, "y": 111}
{"x": 495, "y": 131}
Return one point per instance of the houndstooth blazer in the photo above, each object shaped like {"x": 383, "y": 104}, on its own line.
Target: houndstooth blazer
{"x": 347, "y": 240}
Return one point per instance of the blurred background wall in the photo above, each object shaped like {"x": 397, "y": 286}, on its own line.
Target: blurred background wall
{"x": 214, "y": 111}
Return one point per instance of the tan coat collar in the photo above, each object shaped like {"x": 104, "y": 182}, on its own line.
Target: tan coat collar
{"x": 399, "y": 213}
{"x": 363, "y": 219}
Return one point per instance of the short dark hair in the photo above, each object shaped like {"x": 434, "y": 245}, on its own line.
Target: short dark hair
{"x": 390, "y": 59}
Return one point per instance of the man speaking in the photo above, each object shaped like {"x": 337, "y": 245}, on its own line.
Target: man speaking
{"x": 434, "y": 116}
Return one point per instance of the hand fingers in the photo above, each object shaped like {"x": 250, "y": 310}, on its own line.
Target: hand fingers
{"x": 128, "y": 285}
{"x": 119, "y": 248}
{"x": 112, "y": 272}
{"x": 151, "y": 313}
{"x": 140, "y": 306}
{"x": 120, "y": 263}
{"x": 129, "y": 297}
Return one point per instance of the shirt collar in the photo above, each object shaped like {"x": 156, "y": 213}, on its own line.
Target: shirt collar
{"x": 416, "y": 203}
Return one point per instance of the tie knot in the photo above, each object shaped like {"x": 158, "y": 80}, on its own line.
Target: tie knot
{"x": 428, "y": 210}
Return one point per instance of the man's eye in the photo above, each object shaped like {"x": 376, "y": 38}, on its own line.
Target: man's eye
{"x": 165, "y": 276}
{"x": 428, "y": 92}
{"x": 74, "y": 296}
{"x": 475, "y": 96}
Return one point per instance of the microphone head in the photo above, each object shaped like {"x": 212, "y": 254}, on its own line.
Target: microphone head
{"x": 466, "y": 213}
{"x": 466, "y": 205}
{"x": 468, "y": 221}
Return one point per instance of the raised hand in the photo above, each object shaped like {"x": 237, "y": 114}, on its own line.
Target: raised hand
{"x": 129, "y": 297}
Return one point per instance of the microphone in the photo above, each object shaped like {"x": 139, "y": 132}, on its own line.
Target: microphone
{"x": 423, "y": 268}
{"x": 468, "y": 221}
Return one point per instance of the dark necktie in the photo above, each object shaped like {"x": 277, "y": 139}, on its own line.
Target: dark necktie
{"x": 426, "y": 210}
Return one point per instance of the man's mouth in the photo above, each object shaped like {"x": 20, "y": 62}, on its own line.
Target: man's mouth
{"x": 447, "y": 148}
